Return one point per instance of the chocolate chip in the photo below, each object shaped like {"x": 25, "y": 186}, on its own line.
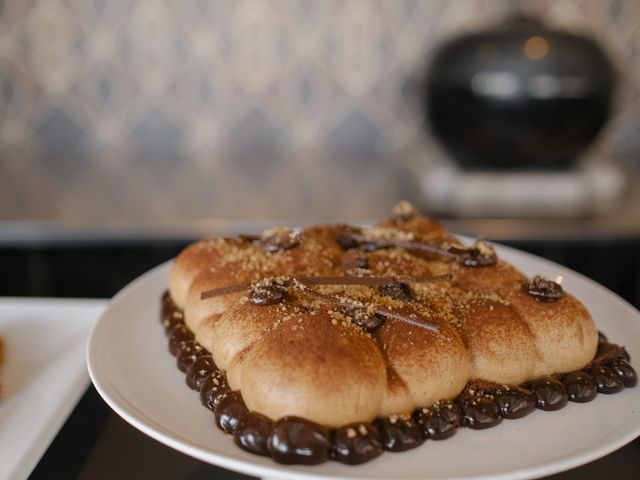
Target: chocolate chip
{"x": 368, "y": 322}
{"x": 399, "y": 433}
{"x": 213, "y": 389}
{"x": 188, "y": 354}
{"x": 439, "y": 421}
{"x": 515, "y": 402}
{"x": 550, "y": 393}
{"x": 295, "y": 440}
{"x": 199, "y": 370}
{"x": 177, "y": 338}
{"x": 580, "y": 386}
{"x": 170, "y": 314}
{"x": 229, "y": 411}
{"x": 280, "y": 239}
{"x": 397, "y": 291}
{"x": 606, "y": 380}
{"x": 625, "y": 372}
{"x": 479, "y": 255}
{"x": 543, "y": 289}
{"x": 252, "y": 433}
{"x": 267, "y": 295}
{"x": 479, "y": 413}
{"x": 356, "y": 443}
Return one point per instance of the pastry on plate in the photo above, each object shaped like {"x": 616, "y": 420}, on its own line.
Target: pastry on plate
{"x": 339, "y": 341}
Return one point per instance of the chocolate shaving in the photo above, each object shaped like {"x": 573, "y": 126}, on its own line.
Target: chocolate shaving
{"x": 412, "y": 318}
{"x": 478, "y": 255}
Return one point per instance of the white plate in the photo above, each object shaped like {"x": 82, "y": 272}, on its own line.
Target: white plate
{"x": 133, "y": 371}
{"x": 43, "y": 376}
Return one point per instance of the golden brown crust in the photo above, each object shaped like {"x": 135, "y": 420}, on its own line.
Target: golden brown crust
{"x": 308, "y": 358}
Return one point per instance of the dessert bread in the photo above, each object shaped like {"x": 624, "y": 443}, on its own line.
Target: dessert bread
{"x": 337, "y": 325}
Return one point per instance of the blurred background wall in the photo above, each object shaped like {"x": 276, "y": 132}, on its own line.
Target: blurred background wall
{"x": 117, "y": 109}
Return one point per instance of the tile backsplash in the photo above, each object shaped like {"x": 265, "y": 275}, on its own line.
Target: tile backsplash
{"x": 113, "y": 109}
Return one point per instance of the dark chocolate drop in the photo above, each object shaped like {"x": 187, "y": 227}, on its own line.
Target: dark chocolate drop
{"x": 295, "y": 440}
{"x": 543, "y": 289}
{"x": 479, "y": 413}
{"x": 252, "y": 433}
{"x": 280, "y": 239}
{"x": 397, "y": 291}
{"x": 199, "y": 370}
{"x": 625, "y": 372}
{"x": 515, "y": 402}
{"x": 267, "y": 295}
{"x": 606, "y": 379}
{"x": 369, "y": 323}
{"x": 170, "y": 315}
{"x": 399, "y": 433}
{"x": 229, "y": 411}
{"x": 188, "y": 353}
{"x": 580, "y": 386}
{"x": 439, "y": 421}
{"x": 356, "y": 443}
{"x": 178, "y": 336}
{"x": 213, "y": 389}
{"x": 550, "y": 393}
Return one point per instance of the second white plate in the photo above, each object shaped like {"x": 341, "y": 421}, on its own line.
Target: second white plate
{"x": 44, "y": 374}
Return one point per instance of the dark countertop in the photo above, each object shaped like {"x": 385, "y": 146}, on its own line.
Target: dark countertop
{"x": 96, "y": 444}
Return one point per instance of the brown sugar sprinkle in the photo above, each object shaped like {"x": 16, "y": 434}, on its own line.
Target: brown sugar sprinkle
{"x": 301, "y": 282}
{"x": 277, "y": 287}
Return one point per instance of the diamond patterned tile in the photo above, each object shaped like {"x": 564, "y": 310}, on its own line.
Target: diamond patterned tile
{"x": 298, "y": 97}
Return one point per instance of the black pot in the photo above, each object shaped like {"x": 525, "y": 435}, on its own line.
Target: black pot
{"x": 518, "y": 96}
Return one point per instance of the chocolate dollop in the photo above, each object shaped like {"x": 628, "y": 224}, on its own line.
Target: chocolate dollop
{"x": 229, "y": 411}
{"x": 252, "y": 433}
{"x": 440, "y": 421}
{"x": 580, "y": 386}
{"x": 213, "y": 388}
{"x": 550, "y": 393}
{"x": 399, "y": 433}
{"x": 479, "y": 413}
{"x": 515, "y": 402}
{"x": 543, "y": 289}
{"x": 199, "y": 370}
{"x": 177, "y": 338}
{"x": 295, "y": 440}
{"x": 606, "y": 380}
{"x": 188, "y": 353}
{"x": 397, "y": 291}
{"x": 625, "y": 372}
{"x": 356, "y": 443}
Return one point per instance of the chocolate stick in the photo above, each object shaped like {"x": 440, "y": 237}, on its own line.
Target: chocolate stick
{"x": 413, "y": 318}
